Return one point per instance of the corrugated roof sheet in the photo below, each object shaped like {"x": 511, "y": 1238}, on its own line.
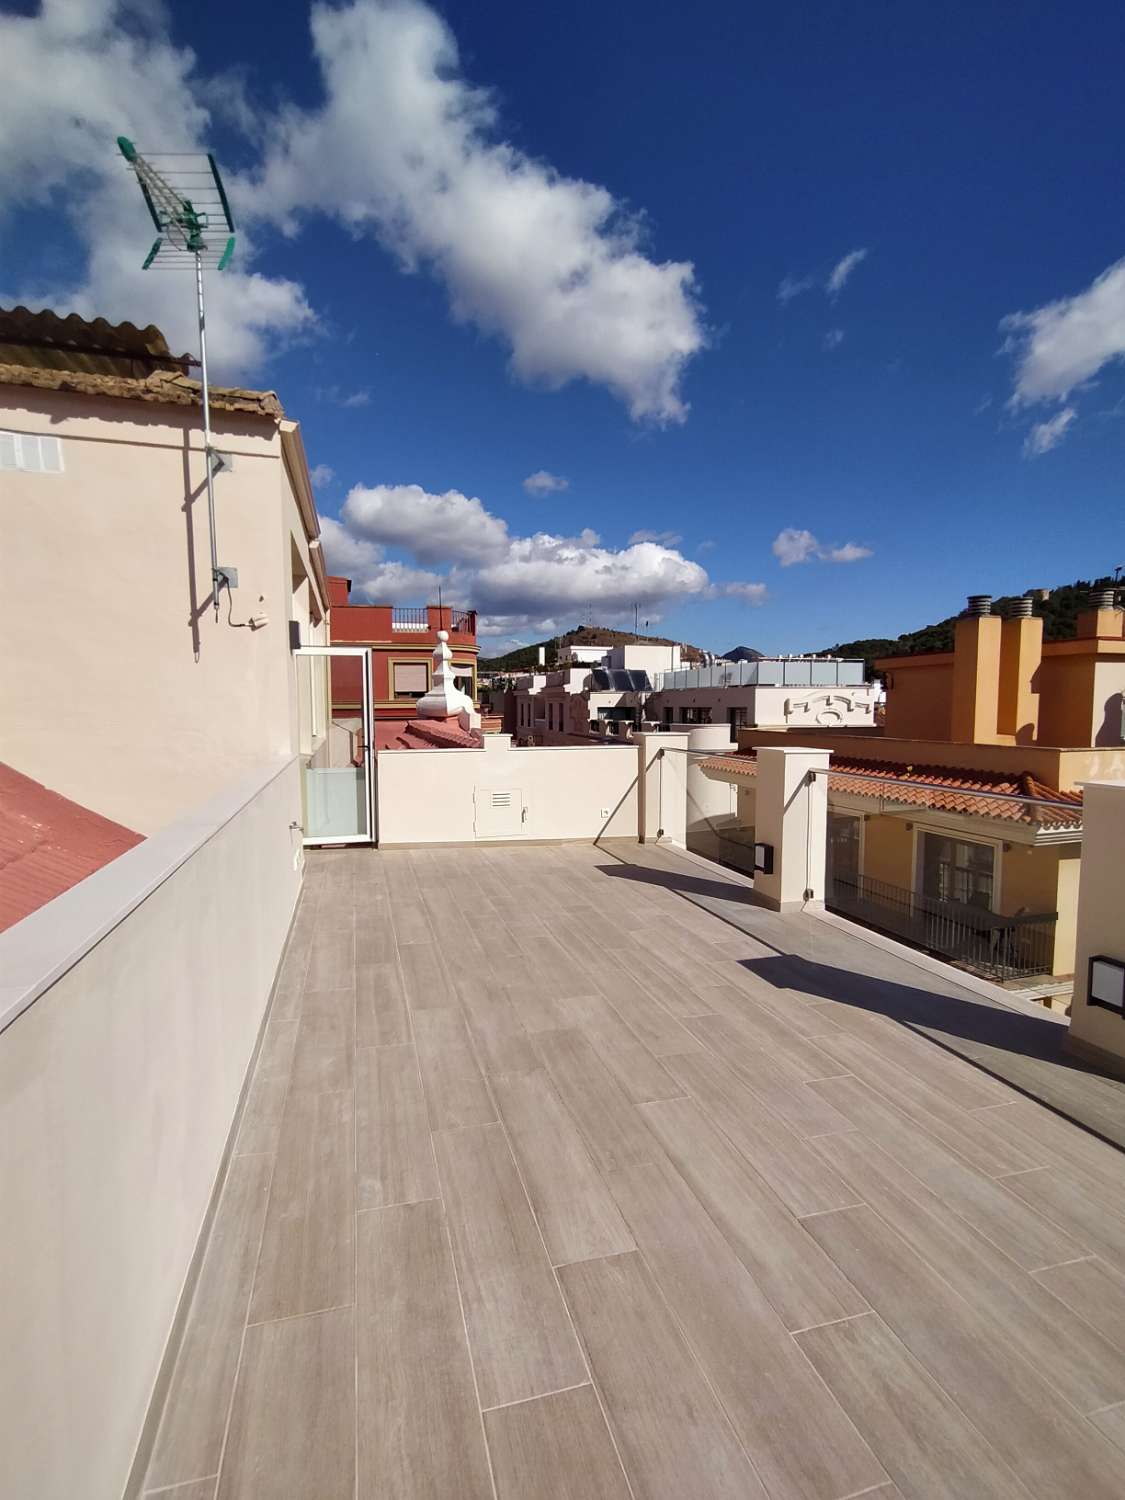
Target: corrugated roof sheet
{"x": 944, "y": 788}
{"x": 48, "y": 844}
{"x": 43, "y": 340}
{"x": 97, "y": 358}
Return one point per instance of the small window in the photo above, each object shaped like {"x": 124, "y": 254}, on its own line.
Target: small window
{"x": 26, "y": 453}
{"x": 410, "y": 679}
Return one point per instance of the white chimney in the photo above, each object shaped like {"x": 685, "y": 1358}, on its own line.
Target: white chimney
{"x": 542, "y": 656}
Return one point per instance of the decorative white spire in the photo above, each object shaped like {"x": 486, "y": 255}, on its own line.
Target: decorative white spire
{"x": 445, "y": 700}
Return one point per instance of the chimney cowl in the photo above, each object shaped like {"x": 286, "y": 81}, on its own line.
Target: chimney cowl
{"x": 1101, "y": 599}
{"x": 1020, "y": 609}
{"x": 979, "y": 604}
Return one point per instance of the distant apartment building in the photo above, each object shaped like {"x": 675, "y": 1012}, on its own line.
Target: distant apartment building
{"x": 786, "y": 692}
{"x": 574, "y": 703}
{"x": 400, "y": 641}
{"x": 959, "y": 825}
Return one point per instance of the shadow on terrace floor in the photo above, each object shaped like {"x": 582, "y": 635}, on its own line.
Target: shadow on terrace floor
{"x": 1024, "y": 1051}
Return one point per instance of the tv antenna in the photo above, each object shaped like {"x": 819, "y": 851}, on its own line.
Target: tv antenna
{"x": 188, "y": 203}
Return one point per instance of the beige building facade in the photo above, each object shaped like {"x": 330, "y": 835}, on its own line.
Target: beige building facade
{"x": 121, "y": 688}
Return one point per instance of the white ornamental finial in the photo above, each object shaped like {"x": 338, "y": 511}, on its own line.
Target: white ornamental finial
{"x": 445, "y": 700}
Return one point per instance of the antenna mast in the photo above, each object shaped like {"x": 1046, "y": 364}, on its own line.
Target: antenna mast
{"x": 192, "y": 232}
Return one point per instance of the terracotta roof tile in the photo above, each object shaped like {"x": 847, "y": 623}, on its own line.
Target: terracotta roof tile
{"x": 48, "y": 844}
{"x": 941, "y": 788}
{"x": 161, "y": 388}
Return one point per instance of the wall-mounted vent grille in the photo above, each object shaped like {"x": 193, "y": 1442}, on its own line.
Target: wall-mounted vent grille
{"x": 499, "y": 814}
{"x": 26, "y": 453}
{"x": 501, "y": 799}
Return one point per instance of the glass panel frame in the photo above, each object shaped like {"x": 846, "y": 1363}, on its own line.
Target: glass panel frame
{"x": 319, "y": 684}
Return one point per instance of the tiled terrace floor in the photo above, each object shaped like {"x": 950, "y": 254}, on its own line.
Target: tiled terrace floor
{"x": 548, "y": 1189}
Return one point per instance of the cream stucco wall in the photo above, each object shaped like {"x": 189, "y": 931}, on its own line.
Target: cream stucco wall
{"x": 1101, "y": 921}
{"x": 120, "y": 689}
{"x": 569, "y": 792}
{"x": 118, "y": 1088}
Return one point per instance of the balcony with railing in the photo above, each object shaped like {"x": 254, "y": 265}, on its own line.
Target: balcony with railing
{"x": 1002, "y": 947}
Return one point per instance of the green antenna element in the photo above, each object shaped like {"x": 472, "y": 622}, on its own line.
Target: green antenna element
{"x": 184, "y": 193}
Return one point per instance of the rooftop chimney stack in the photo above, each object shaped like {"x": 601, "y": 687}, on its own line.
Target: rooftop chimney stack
{"x": 976, "y": 674}
{"x": 1101, "y": 617}
{"x": 1021, "y": 656}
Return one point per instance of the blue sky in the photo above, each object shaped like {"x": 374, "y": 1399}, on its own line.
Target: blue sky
{"x": 762, "y": 442}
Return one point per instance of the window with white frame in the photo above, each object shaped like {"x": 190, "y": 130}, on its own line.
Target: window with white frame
{"x": 28, "y": 453}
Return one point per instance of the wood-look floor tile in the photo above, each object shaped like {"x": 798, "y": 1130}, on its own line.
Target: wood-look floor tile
{"x": 307, "y": 1259}
{"x": 265, "y": 1099}
{"x": 1053, "y": 1451}
{"x": 1066, "y": 1200}
{"x": 331, "y": 960}
{"x": 394, "y": 1159}
{"x": 1092, "y": 1290}
{"x": 803, "y": 1287}
{"x": 1055, "y": 1142}
{"x": 1111, "y": 1424}
{"x": 631, "y": 1063}
{"x": 1027, "y": 1238}
{"x": 325, "y": 1045}
{"x": 926, "y": 1106}
{"x": 456, "y": 1093}
{"x": 796, "y": 1174}
{"x": 674, "y": 1438}
{"x": 408, "y": 914}
{"x": 798, "y": 1438}
{"x": 555, "y": 1448}
{"x": 643, "y": 1013}
{"x": 575, "y": 1209}
{"x": 292, "y": 1427}
{"x": 760, "y": 1035}
{"x": 776, "y": 1081}
{"x": 420, "y": 1434}
{"x": 503, "y": 1045}
{"x": 425, "y": 979}
{"x": 381, "y": 1017}
{"x": 374, "y": 933}
{"x": 922, "y": 1438}
{"x": 1081, "y": 1364}
{"x": 197, "y": 1489}
{"x": 519, "y": 1333}
{"x": 613, "y": 1127}
{"x": 190, "y": 1440}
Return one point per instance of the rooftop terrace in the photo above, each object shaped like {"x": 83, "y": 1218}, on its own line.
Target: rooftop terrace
{"x": 551, "y": 1183}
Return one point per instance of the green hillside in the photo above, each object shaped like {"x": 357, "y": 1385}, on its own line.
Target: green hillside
{"x": 1059, "y": 612}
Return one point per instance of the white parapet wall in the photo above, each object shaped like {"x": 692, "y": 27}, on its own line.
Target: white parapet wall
{"x": 131, "y": 1008}
{"x": 503, "y": 792}
{"x": 1096, "y": 1031}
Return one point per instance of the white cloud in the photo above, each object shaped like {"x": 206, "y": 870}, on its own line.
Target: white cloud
{"x": 542, "y": 482}
{"x": 795, "y": 546}
{"x": 665, "y": 538}
{"x": 356, "y": 398}
{"x": 793, "y": 286}
{"x": 76, "y": 75}
{"x": 751, "y": 593}
{"x": 1047, "y": 435}
{"x": 707, "y": 546}
{"x": 848, "y": 552}
{"x": 842, "y": 270}
{"x": 833, "y": 338}
{"x": 405, "y": 148}
{"x": 517, "y": 583}
{"x": 1060, "y": 346}
{"x": 321, "y": 475}
{"x": 448, "y": 528}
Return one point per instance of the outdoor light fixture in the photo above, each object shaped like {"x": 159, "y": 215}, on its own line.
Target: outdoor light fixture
{"x": 763, "y": 859}
{"x": 1107, "y": 984}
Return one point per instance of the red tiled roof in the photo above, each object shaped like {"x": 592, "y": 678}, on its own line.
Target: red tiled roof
{"x": 942, "y": 788}
{"x": 424, "y": 734}
{"x": 48, "y": 844}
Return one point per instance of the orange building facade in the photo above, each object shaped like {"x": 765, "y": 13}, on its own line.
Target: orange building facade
{"x": 402, "y": 642}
